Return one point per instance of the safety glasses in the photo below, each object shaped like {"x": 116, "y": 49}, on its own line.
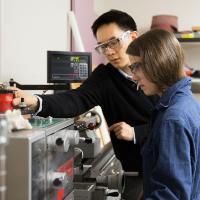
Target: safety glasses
{"x": 115, "y": 43}
{"x": 134, "y": 66}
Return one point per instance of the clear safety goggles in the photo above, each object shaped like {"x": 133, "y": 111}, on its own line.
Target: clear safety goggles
{"x": 115, "y": 43}
{"x": 135, "y": 66}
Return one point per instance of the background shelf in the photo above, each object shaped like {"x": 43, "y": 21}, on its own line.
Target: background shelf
{"x": 188, "y": 39}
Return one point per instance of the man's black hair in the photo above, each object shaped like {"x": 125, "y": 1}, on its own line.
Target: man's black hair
{"x": 122, "y": 19}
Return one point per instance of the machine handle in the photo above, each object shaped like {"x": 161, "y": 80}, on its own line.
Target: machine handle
{"x": 96, "y": 125}
{"x": 88, "y": 122}
{"x": 87, "y": 140}
{"x": 113, "y": 194}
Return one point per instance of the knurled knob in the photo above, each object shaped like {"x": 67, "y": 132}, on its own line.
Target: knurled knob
{"x": 59, "y": 141}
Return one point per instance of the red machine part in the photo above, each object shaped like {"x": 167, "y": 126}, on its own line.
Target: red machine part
{"x": 6, "y": 98}
{"x": 68, "y": 168}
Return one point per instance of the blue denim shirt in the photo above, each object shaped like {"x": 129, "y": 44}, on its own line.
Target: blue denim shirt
{"x": 171, "y": 155}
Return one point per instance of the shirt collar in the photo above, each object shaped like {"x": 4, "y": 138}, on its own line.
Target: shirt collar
{"x": 180, "y": 86}
{"x": 126, "y": 75}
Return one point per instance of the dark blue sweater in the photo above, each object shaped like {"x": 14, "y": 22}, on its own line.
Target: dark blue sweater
{"x": 119, "y": 100}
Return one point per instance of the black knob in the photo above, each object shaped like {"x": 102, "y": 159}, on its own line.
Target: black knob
{"x": 59, "y": 141}
{"x": 113, "y": 194}
{"x": 91, "y": 126}
{"x": 11, "y": 82}
{"x": 88, "y": 140}
{"x": 57, "y": 182}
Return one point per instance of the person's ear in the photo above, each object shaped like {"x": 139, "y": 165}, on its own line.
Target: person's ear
{"x": 134, "y": 35}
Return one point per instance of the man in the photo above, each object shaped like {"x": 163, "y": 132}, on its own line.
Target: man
{"x": 111, "y": 87}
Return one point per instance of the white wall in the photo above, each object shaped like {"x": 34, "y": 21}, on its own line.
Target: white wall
{"x": 143, "y": 10}
{"x": 28, "y": 29}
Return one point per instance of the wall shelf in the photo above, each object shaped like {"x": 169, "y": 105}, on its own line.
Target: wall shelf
{"x": 189, "y": 40}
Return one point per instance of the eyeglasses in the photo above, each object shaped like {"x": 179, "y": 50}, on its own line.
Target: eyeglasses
{"x": 134, "y": 66}
{"x": 115, "y": 43}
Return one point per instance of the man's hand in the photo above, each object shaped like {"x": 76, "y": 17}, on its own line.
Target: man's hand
{"x": 123, "y": 131}
{"x": 29, "y": 100}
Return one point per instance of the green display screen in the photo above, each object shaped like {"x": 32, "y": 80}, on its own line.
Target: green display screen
{"x": 75, "y": 59}
{"x": 68, "y": 67}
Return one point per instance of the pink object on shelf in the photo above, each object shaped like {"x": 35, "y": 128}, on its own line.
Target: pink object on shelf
{"x": 166, "y": 22}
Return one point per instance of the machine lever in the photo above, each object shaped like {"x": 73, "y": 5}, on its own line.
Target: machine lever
{"x": 86, "y": 140}
{"x": 113, "y": 194}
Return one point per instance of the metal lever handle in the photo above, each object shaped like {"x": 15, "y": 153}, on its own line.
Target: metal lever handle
{"x": 113, "y": 194}
{"x": 86, "y": 140}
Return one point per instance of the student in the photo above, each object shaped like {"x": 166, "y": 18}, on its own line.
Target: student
{"x": 171, "y": 154}
{"x": 111, "y": 87}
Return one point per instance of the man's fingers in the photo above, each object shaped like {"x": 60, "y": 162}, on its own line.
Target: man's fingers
{"x": 16, "y": 101}
{"x": 119, "y": 136}
{"x": 111, "y": 128}
{"x": 19, "y": 94}
{"x": 13, "y": 88}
